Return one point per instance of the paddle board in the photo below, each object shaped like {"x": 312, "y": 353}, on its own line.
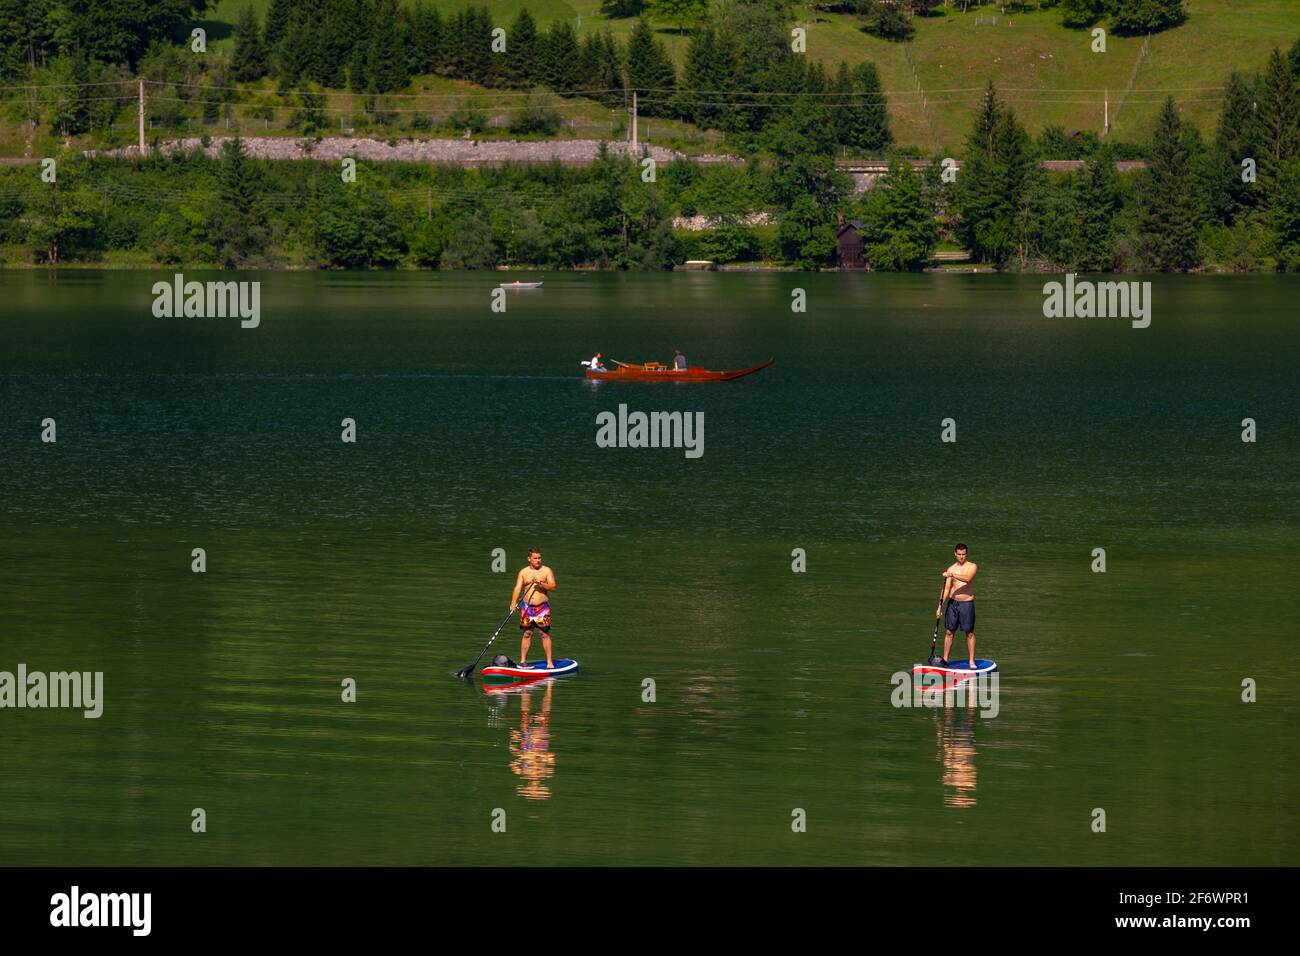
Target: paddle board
{"x": 959, "y": 668}
{"x": 532, "y": 669}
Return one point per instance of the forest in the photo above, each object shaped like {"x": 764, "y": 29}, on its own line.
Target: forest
{"x": 1230, "y": 201}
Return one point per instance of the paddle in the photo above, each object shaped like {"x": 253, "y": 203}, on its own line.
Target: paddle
{"x": 942, "y": 611}
{"x": 465, "y": 672}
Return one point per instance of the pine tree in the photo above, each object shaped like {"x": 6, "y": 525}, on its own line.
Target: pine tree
{"x": 650, "y": 71}
{"x": 212, "y": 99}
{"x": 987, "y": 120}
{"x": 815, "y": 85}
{"x": 1014, "y": 151}
{"x": 733, "y": 115}
{"x": 640, "y": 56}
{"x": 277, "y": 22}
{"x": 347, "y": 41}
{"x": 1168, "y": 210}
{"x": 699, "y": 96}
{"x": 310, "y": 116}
{"x": 334, "y": 42}
{"x": 844, "y": 106}
{"x": 471, "y": 40}
{"x": 322, "y": 60}
{"x": 870, "y": 112}
{"x": 1096, "y": 201}
{"x": 428, "y": 40}
{"x": 249, "y": 59}
{"x": 386, "y": 60}
{"x": 1285, "y": 216}
{"x": 1022, "y": 179}
{"x": 1277, "y": 122}
{"x": 604, "y": 71}
{"x": 1226, "y": 194}
{"x": 559, "y": 60}
{"x": 293, "y": 61}
{"x": 523, "y": 47}
{"x": 995, "y": 185}
{"x": 239, "y": 226}
{"x": 358, "y": 70}
{"x": 1236, "y": 118}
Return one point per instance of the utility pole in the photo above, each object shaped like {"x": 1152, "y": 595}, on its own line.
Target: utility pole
{"x": 636, "y": 146}
{"x": 141, "y": 117}
{"x": 1106, "y": 128}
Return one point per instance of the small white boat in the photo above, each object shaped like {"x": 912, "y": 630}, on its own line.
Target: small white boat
{"x": 521, "y": 285}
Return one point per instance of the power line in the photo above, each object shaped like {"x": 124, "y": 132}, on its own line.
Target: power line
{"x": 325, "y": 92}
{"x": 344, "y": 111}
{"x": 506, "y": 92}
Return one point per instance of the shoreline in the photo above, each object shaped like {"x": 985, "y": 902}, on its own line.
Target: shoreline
{"x": 964, "y": 269}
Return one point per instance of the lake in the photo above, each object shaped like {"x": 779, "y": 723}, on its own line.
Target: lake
{"x": 476, "y": 430}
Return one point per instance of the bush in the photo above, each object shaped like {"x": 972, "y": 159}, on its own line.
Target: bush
{"x": 1242, "y": 247}
{"x": 468, "y": 117}
{"x": 469, "y": 245}
{"x": 885, "y": 20}
{"x": 537, "y": 115}
{"x": 730, "y": 242}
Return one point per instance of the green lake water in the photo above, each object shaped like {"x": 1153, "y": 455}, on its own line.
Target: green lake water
{"x": 476, "y": 430}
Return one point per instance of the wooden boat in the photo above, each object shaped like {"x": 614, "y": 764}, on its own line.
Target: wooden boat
{"x": 655, "y": 372}
{"x": 521, "y": 285}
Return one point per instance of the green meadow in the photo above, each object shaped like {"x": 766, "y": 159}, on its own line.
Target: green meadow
{"x": 1047, "y": 73}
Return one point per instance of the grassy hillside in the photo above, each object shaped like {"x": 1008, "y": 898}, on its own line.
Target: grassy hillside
{"x": 1045, "y": 72}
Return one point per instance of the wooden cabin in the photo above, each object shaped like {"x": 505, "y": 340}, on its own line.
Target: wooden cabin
{"x": 850, "y": 245}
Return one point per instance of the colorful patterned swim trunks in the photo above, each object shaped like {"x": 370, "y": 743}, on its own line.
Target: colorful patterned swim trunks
{"x": 535, "y": 615}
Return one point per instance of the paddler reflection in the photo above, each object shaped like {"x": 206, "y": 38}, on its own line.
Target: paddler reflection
{"x": 531, "y": 757}
{"x": 955, "y": 730}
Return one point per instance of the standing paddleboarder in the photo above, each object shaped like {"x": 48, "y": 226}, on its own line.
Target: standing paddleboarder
{"x": 536, "y": 609}
{"x": 961, "y": 603}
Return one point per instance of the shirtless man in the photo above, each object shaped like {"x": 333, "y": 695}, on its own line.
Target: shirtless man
{"x": 961, "y": 610}
{"x": 537, "y": 582}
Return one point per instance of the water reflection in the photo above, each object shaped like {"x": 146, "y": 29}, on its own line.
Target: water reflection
{"x": 955, "y": 732}
{"x": 531, "y": 758}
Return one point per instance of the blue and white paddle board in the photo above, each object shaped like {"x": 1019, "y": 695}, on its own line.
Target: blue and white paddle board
{"x": 532, "y": 669}
{"x": 957, "y": 668}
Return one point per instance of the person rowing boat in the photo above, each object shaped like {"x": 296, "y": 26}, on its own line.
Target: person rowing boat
{"x": 535, "y": 611}
{"x": 960, "y": 598}
{"x": 657, "y": 372}
{"x": 595, "y": 364}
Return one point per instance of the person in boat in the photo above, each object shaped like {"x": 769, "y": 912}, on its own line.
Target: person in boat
{"x": 536, "y": 582}
{"x": 596, "y": 365}
{"x": 679, "y": 361}
{"x": 960, "y": 596}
